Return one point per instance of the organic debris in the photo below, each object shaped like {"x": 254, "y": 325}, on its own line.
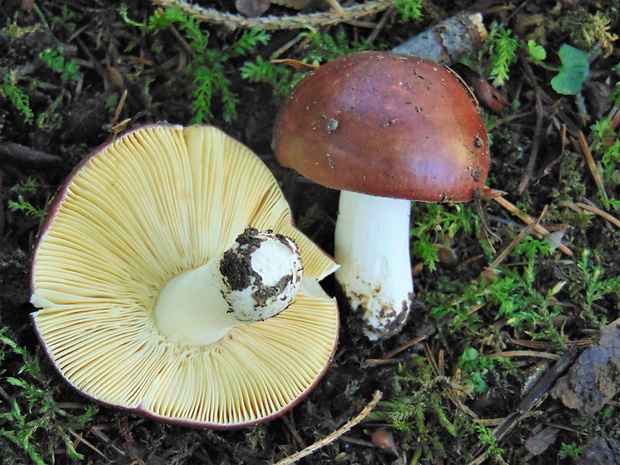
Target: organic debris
{"x": 594, "y": 379}
{"x": 601, "y": 451}
{"x": 508, "y": 293}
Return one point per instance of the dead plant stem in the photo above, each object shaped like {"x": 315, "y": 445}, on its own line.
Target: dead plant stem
{"x": 336, "y": 434}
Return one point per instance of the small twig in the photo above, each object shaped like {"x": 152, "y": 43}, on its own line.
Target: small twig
{"x": 177, "y": 35}
{"x": 336, "y": 7}
{"x": 5, "y": 395}
{"x": 431, "y": 360}
{"x": 293, "y": 431}
{"x": 529, "y": 401}
{"x": 358, "y": 442}
{"x": 404, "y": 346}
{"x": 516, "y": 241}
{"x": 438, "y": 368}
{"x": 578, "y": 207}
{"x": 389, "y": 357}
{"x": 538, "y": 229}
{"x": 80, "y": 438}
{"x": 381, "y": 361}
{"x": 336, "y": 434}
{"x": 98, "y": 432}
{"x": 119, "y": 108}
{"x": 614, "y": 118}
{"x": 582, "y": 143}
{"x": 485, "y": 228}
{"x": 536, "y": 137}
{"x": 379, "y": 26}
{"x": 524, "y": 353}
{"x": 20, "y": 155}
{"x": 350, "y": 15}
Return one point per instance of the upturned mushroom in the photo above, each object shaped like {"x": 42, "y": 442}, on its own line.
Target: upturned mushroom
{"x": 384, "y": 129}
{"x": 170, "y": 281}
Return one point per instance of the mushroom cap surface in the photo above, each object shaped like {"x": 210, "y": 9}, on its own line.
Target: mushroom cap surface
{"x": 385, "y": 124}
{"x": 158, "y": 201}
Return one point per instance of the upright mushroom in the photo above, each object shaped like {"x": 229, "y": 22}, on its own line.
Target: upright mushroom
{"x": 171, "y": 281}
{"x": 385, "y": 129}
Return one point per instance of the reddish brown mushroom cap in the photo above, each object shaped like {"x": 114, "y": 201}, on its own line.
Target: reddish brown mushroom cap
{"x": 388, "y": 125}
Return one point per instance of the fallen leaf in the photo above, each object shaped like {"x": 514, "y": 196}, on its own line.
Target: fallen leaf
{"x": 539, "y": 443}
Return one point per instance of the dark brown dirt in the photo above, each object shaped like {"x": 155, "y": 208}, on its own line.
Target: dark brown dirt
{"x": 527, "y": 121}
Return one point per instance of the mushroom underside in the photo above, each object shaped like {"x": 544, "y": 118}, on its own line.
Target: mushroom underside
{"x": 156, "y": 203}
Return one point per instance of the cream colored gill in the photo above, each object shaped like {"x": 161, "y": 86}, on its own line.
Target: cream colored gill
{"x": 267, "y": 210}
{"x": 255, "y": 371}
{"x": 155, "y": 203}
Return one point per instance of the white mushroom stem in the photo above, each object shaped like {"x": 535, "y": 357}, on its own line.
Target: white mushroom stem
{"x": 372, "y": 247}
{"x": 254, "y": 280}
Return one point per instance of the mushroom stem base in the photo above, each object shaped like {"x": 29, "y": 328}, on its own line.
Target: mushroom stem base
{"x": 372, "y": 247}
{"x": 255, "y": 279}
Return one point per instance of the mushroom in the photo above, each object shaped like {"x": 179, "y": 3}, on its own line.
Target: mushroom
{"x": 171, "y": 282}
{"x": 384, "y": 129}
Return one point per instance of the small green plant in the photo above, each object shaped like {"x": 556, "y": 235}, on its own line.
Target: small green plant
{"x": 19, "y": 99}
{"x": 488, "y": 439}
{"x": 280, "y": 77}
{"x": 572, "y": 451}
{"x": 25, "y": 188}
{"x": 518, "y": 298}
{"x": 591, "y": 30}
{"x": 29, "y": 186}
{"x": 22, "y": 205}
{"x": 207, "y": 69}
{"x": 589, "y": 286}
{"x": 55, "y": 60}
{"x": 31, "y": 420}
{"x": 513, "y": 294}
{"x": 474, "y": 368}
{"x": 64, "y": 20}
{"x": 572, "y": 73}
{"x": 502, "y": 49}
{"x": 325, "y": 47}
{"x": 405, "y": 11}
{"x": 420, "y": 400}
{"x": 607, "y": 147}
{"x": 438, "y": 221}
{"x": 615, "y": 92}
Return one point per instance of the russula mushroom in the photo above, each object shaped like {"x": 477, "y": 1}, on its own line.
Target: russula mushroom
{"x": 384, "y": 129}
{"x": 170, "y": 281}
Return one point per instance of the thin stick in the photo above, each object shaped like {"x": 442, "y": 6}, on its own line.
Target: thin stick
{"x": 594, "y": 171}
{"x": 379, "y": 26}
{"x": 20, "y": 155}
{"x": 516, "y": 241}
{"x": 79, "y": 438}
{"x": 293, "y": 431}
{"x": 405, "y": 346}
{"x": 119, "y": 108}
{"x": 335, "y": 435}
{"x": 536, "y": 137}
{"x": 351, "y": 15}
{"x": 597, "y": 211}
{"x": 524, "y": 353}
{"x": 529, "y": 401}
{"x": 528, "y": 220}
